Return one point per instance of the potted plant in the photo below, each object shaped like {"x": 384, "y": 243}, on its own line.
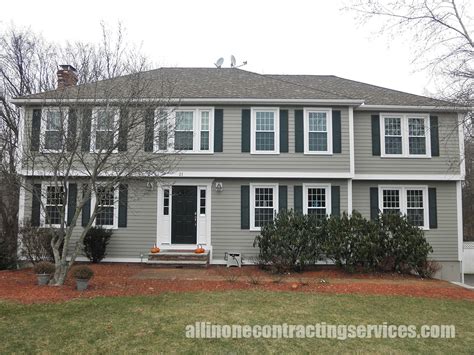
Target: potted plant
{"x": 82, "y": 274}
{"x": 43, "y": 271}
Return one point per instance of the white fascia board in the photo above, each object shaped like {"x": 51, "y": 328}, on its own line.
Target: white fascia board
{"x": 335, "y": 102}
{"x": 424, "y": 177}
{"x": 453, "y": 108}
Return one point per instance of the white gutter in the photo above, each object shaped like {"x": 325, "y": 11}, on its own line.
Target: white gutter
{"x": 339, "y": 102}
{"x": 453, "y": 108}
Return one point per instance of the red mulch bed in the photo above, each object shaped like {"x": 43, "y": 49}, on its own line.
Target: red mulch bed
{"x": 122, "y": 280}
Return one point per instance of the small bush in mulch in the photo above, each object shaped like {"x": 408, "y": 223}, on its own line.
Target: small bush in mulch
{"x": 95, "y": 243}
{"x": 44, "y": 267}
{"x": 82, "y": 272}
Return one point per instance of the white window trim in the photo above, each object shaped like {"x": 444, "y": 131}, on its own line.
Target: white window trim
{"x": 403, "y": 200}
{"x": 44, "y": 110}
{"x": 405, "y": 135}
{"x": 253, "y": 129}
{"x": 44, "y": 186}
{"x": 327, "y": 187}
{"x": 94, "y": 127}
{"x": 171, "y": 114}
{"x": 116, "y": 206}
{"x": 252, "y": 202}
{"x": 328, "y": 112}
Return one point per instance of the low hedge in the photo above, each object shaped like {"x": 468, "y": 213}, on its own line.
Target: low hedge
{"x": 353, "y": 242}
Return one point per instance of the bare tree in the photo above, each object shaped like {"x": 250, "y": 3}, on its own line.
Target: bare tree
{"x": 28, "y": 65}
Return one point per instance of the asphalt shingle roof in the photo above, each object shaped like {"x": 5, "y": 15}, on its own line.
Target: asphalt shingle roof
{"x": 231, "y": 83}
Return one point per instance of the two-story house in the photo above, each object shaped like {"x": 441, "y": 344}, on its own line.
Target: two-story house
{"x": 253, "y": 144}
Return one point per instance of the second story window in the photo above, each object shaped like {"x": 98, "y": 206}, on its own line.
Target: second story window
{"x": 105, "y": 123}
{"x": 193, "y": 130}
{"x": 53, "y": 129}
{"x": 318, "y": 131}
{"x": 265, "y": 131}
{"x": 405, "y": 135}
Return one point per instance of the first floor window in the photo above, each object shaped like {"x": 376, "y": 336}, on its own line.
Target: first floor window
{"x": 202, "y": 201}
{"x": 54, "y": 204}
{"x": 166, "y": 202}
{"x": 409, "y": 201}
{"x": 105, "y": 206}
{"x": 264, "y": 205}
{"x": 317, "y": 200}
{"x": 265, "y": 131}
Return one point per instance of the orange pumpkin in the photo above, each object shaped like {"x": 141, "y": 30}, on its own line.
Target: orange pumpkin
{"x": 199, "y": 249}
{"x": 155, "y": 249}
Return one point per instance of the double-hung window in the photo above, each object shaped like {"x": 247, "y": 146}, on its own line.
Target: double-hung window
{"x": 105, "y": 128}
{"x": 317, "y": 200}
{"x": 193, "y": 130}
{"x": 53, "y": 198}
{"x": 107, "y": 206}
{"x": 411, "y": 201}
{"x": 318, "y": 131}
{"x": 53, "y": 126}
{"x": 263, "y": 205}
{"x": 405, "y": 135}
{"x": 265, "y": 133}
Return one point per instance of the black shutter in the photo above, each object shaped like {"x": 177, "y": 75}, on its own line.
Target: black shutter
{"x": 71, "y": 202}
{"x": 86, "y": 209}
{"x": 71, "y": 130}
{"x": 123, "y": 130}
{"x": 218, "y": 130}
{"x": 283, "y": 131}
{"x": 433, "y": 208}
{"x": 375, "y": 135}
{"x": 434, "y": 133}
{"x": 282, "y": 198}
{"x": 86, "y": 129}
{"x": 299, "y": 131}
{"x": 36, "y": 205}
{"x": 123, "y": 205}
{"x": 336, "y": 132}
{"x": 374, "y": 203}
{"x": 245, "y": 131}
{"x": 336, "y": 200}
{"x": 298, "y": 198}
{"x": 244, "y": 207}
{"x": 35, "y": 130}
{"x": 149, "y": 129}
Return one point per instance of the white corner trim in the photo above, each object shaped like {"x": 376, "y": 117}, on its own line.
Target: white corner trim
{"x": 415, "y": 177}
{"x": 461, "y": 146}
{"x": 351, "y": 143}
{"x": 349, "y": 197}
{"x": 459, "y": 220}
{"x": 21, "y": 203}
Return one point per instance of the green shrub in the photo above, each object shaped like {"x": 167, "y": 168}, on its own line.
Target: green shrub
{"x": 44, "y": 267}
{"x": 82, "y": 272}
{"x": 95, "y": 243}
{"x": 292, "y": 241}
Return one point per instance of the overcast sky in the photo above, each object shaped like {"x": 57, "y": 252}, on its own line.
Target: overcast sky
{"x": 277, "y": 37}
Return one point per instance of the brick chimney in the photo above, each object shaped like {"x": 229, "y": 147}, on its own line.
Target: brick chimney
{"x": 67, "y": 76}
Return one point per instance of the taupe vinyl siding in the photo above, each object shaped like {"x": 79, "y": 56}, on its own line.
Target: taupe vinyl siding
{"x": 140, "y": 234}
{"x": 232, "y": 159}
{"x": 447, "y": 163}
{"x": 226, "y": 233}
{"x": 444, "y": 239}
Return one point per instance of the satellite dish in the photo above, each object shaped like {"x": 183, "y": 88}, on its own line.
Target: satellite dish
{"x": 232, "y": 61}
{"x": 219, "y": 62}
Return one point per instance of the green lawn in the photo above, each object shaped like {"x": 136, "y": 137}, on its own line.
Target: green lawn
{"x": 156, "y": 324}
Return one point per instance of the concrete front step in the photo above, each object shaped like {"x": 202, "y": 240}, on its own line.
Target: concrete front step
{"x": 178, "y": 258}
